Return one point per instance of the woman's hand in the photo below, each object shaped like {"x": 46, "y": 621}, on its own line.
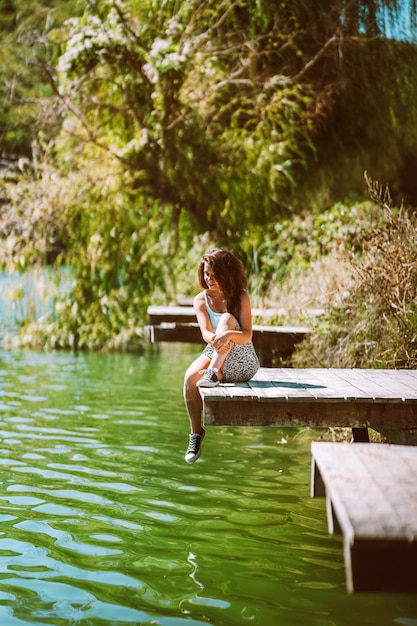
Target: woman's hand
{"x": 221, "y": 343}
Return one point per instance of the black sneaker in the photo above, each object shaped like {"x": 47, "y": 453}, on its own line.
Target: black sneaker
{"x": 209, "y": 378}
{"x": 194, "y": 447}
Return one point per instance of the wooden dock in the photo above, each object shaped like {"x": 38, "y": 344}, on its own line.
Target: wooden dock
{"x": 371, "y": 498}
{"x": 318, "y": 398}
{"x": 179, "y": 324}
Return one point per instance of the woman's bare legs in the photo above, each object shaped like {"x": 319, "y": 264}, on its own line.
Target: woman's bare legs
{"x": 192, "y": 396}
{"x": 194, "y": 407}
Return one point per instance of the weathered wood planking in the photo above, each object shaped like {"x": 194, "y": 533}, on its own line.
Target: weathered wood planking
{"x": 180, "y": 314}
{"x": 371, "y": 498}
{"x": 281, "y": 338}
{"x": 173, "y": 332}
{"x": 319, "y": 398}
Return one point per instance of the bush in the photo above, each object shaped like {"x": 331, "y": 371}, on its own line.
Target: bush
{"x": 375, "y": 323}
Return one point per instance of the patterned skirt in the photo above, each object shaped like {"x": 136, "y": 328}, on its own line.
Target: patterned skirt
{"x": 241, "y": 363}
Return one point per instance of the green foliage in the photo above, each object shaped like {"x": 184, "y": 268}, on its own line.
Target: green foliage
{"x": 118, "y": 255}
{"x": 26, "y": 59}
{"x": 295, "y": 244}
{"x": 163, "y": 98}
{"x": 375, "y": 323}
{"x": 371, "y": 127}
{"x": 163, "y": 126}
{"x": 240, "y": 113}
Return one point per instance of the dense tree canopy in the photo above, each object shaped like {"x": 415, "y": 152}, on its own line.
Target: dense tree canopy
{"x": 25, "y": 58}
{"x": 220, "y": 109}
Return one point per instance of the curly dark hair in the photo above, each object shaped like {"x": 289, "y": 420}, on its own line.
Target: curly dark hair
{"x": 229, "y": 274}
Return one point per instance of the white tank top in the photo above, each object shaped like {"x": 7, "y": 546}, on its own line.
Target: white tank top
{"x": 214, "y": 317}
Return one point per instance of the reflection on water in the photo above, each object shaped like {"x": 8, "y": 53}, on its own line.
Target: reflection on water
{"x": 102, "y": 522}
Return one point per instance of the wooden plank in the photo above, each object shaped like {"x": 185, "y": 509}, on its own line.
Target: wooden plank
{"x": 160, "y": 314}
{"x": 391, "y": 381}
{"x": 373, "y": 486}
{"x": 270, "y": 341}
{"x": 283, "y": 413}
{"x": 377, "y": 383}
{"x": 173, "y": 332}
{"x": 318, "y": 398}
{"x": 342, "y": 384}
{"x": 412, "y": 377}
{"x": 350, "y": 391}
{"x": 284, "y": 337}
{"x": 371, "y": 497}
{"x": 283, "y": 383}
{"x": 356, "y": 384}
{"x": 320, "y": 383}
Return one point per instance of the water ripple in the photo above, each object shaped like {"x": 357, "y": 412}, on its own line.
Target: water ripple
{"x": 102, "y": 522}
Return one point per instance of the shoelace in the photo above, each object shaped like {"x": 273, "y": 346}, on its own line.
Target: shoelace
{"x": 209, "y": 370}
{"x": 193, "y": 445}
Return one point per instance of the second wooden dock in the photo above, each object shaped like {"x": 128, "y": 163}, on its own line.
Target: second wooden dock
{"x": 371, "y": 496}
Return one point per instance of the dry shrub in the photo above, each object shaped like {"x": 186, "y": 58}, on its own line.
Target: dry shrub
{"x": 302, "y": 297}
{"x": 375, "y": 324}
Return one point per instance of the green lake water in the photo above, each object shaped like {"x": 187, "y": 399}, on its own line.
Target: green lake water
{"x": 102, "y": 522}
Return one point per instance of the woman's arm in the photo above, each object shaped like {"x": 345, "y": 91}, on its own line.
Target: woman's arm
{"x": 203, "y": 319}
{"x": 244, "y": 335}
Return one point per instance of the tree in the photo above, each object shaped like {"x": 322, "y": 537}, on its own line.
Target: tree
{"x": 25, "y": 53}
{"x": 214, "y": 106}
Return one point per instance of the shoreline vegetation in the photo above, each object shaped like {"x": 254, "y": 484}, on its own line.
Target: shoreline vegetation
{"x": 136, "y": 135}
{"x": 350, "y": 274}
